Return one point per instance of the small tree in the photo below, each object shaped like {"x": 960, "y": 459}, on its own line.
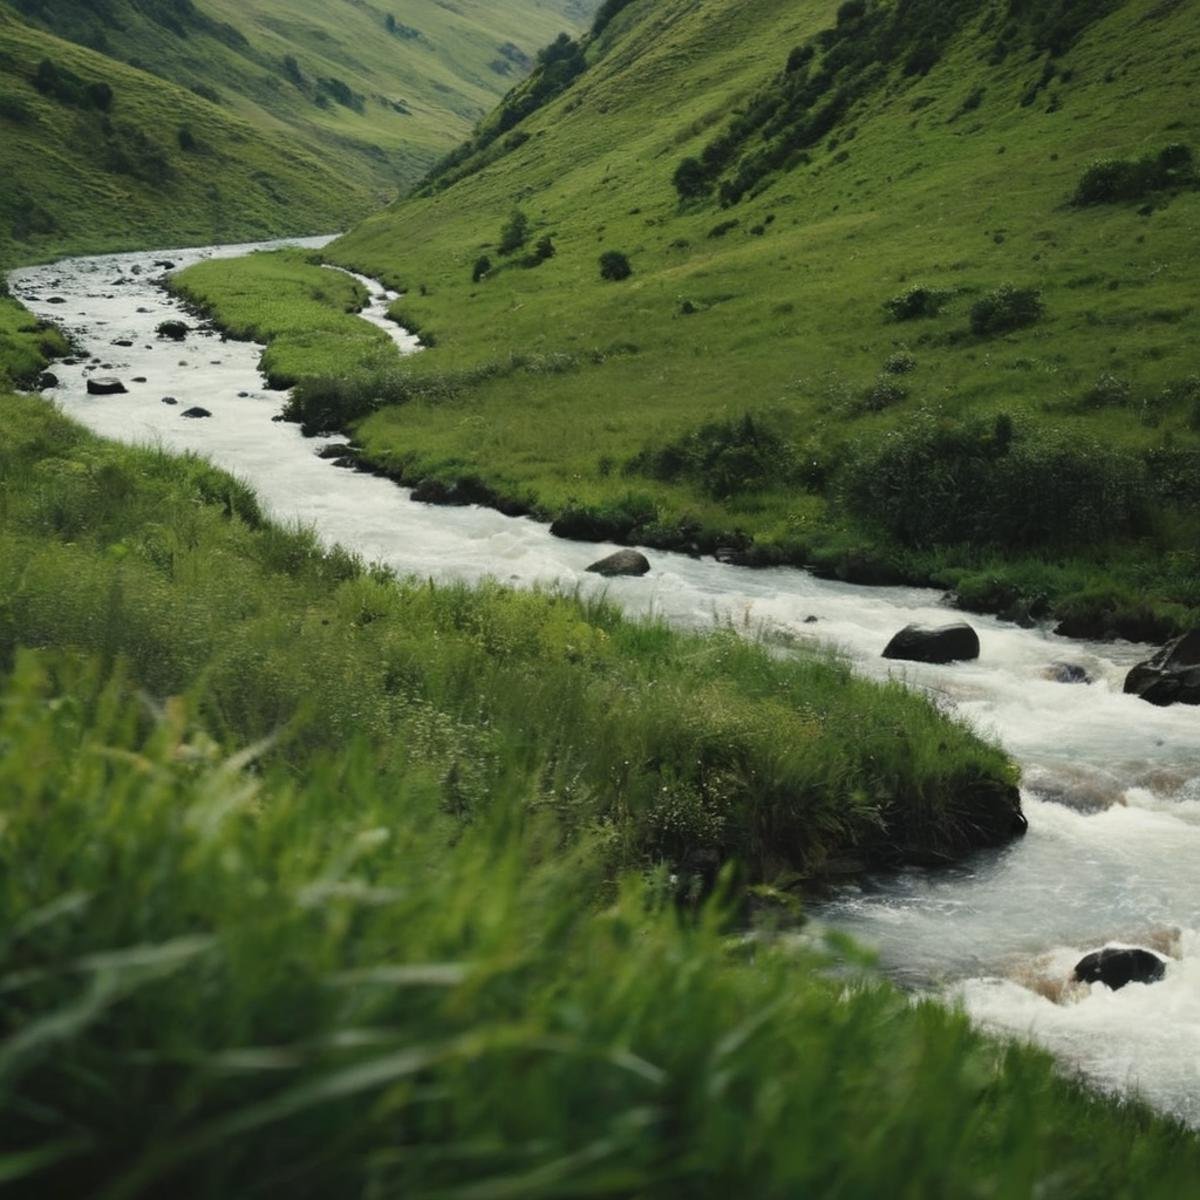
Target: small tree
{"x": 544, "y": 250}
{"x": 691, "y": 179}
{"x": 1005, "y": 309}
{"x": 515, "y": 233}
{"x": 614, "y": 266}
{"x": 483, "y": 266}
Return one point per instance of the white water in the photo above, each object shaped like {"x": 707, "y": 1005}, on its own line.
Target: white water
{"x": 1112, "y": 784}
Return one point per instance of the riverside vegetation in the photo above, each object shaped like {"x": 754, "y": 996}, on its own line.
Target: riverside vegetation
{"x": 888, "y": 316}
{"x": 319, "y": 880}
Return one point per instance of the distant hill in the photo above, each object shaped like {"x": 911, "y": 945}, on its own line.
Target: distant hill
{"x": 302, "y": 114}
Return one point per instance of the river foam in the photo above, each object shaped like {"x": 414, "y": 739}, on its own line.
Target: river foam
{"x": 1112, "y": 784}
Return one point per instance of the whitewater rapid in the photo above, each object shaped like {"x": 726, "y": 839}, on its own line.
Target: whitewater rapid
{"x": 1112, "y": 785}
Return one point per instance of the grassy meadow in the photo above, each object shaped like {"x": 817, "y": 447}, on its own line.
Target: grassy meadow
{"x": 759, "y": 381}
{"x": 321, "y": 881}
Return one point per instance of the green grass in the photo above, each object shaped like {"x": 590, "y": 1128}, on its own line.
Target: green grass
{"x": 26, "y": 344}
{"x": 312, "y": 880}
{"x": 784, "y": 316}
{"x": 273, "y": 152}
{"x": 308, "y": 315}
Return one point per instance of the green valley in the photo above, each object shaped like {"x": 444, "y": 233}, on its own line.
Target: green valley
{"x": 810, "y": 374}
{"x": 220, "y": 121}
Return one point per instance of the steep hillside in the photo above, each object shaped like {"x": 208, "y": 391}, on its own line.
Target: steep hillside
{"x": 311, "y": 113}
{"x": 886, "y": 314}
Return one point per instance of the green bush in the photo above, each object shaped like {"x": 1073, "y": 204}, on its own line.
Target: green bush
{"x": 885, "y": 392}
{"x": 1007, "y": 308}
{"x": 691, "y": 179}
{"x": 1111, "y": 180}
{"x": 900, "y": 363}
{"x": 483, "y": 265}
{"x": 614, "y": 266}
{"x": 940, "y": 482}
{"x": 724, "y": 458}
{"x": 514, "y": 234}
{"x": 917, "y": 302}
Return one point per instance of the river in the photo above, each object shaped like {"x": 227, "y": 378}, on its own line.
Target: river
{"x": 1112, "y": 785}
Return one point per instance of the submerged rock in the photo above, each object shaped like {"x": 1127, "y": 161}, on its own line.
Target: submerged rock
{"x": 105, "y": 385}
{"x": 1061, "y": 672}
{"x": 1116, "y": 967}
{"x": 47, "y": 380}
{"x": 175, "y": 330}
{"x": 196, "y": 412}
{"x": 1172, "y": 676}
{"x": 624, "y": 562}
{"x": 923, "y": 643}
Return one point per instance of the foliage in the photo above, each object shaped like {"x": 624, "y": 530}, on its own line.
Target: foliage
{"x": 480, "y": 270}
{"x": 1110, "y": 180}
{"x": 615, "y": 266}
{"x": 917, "y": 301}
{"x": 515, "y": 233}
{"x": 942, "y": 482}
{"x": 1005, "y": 309}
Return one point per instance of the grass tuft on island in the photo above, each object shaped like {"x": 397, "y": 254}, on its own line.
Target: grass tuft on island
{"x": 319, "y": 880}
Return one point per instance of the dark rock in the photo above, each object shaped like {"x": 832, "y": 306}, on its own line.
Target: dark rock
{"x": 105, "y": 385}
{"x": 47, "y": 380}
{"x": 334, "y": 450}
{"x": 70, "y": 362}
{"x": 1172, "y": 676}
{"x": 434, "y": 491}
{"x": 921, "y": 643}
{"x": 125, "y": 342}
{"x": 195, "y": 412}
{"x": 135, "y": 269}
{"x": 811, "y": 620}
{"x": 1064, "y": 672}
{"x": 143, "y": 310}
{"x": 56, "y": 300}
{"x": 624, "y": 562}
{"x": 584, "y": 525}
{"x": 169, "y": 400}
{"x": 348, "y": 464}
{"x": 139, "y": 379}
{"x": 175, "y": 330}
{"x": 243, "y": 395}
{"x": 1115, "y": 968}
{"x": 165, "y": 264}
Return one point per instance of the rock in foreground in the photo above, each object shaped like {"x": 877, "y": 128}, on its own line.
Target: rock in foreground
{"x": 1172, "y": 676}
{"x": 1115, "y": 967}
{"x": 922, "y": 643}
{"x": 624, "y": 562}
{"x": 175, "y": 330}
{"x": 105, "y": 385}
{"x": 196, "y": 412}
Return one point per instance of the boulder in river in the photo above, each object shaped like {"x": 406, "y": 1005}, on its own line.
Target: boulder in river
{"x": 175, "y": 330}
{"x": 140, "y": 379}
{"x": 105, "y": 385}
{"x": 169, "y": 400}
{"x": 195, "y": 413}
{"x": 624, "y": 562}
{"x": 1172, "y": 676}
{"x": 1115, "y": 967}
{"x": 945, "y": 644}
{"x": 47, "y": 380}
{"x": 1064, "y": 672}
{"x": 335, "y": 450}
{"x": 56, "y": 300}
{"x": 166, "y": 264}
{"x": 434, "y": 491}
{"x": 125, "y": 342}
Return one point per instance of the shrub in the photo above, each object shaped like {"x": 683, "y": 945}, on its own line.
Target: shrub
{"x": 719, "y": 231}
{"x": 614, "y": 266}
{"x": 691, "y": 179}
{"x": 724, "y": 458}
{"x": 850, "y": 11}
{"x": 1007, "y": 308}
{"x": 1112, "y": 180}
{"x": 883, "y": 393}
{"x": 187, "y": 139}
{"x": 483, "y": 266}
{"x": 606, "y": 13}
{"x": 915, "y": 303}
{"x": 900, "y": 363}
{"x": 1109, "y": 391}
{"x": 544, "y": 250}
{"x": 515, "y": 233}
{"x": 945, "y": 482}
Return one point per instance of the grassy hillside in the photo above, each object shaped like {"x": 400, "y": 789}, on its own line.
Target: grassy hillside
{"x": 885, "y": 315}
{"x": 304, "y": 115}
{"x": 313, "y": 882}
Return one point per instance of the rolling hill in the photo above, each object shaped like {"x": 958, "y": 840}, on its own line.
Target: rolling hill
{"x": 227, "y": 120}
{"x": 910, "y": 298}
